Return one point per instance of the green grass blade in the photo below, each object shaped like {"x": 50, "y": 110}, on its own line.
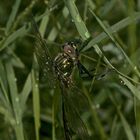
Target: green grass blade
{"x": 113, "y": 29}
{"x": 18, "y": 33}
{"x": 132, "y": 28}
{"x": 97, "y": 122}
{"x": 9, "y": 118}
{"x": 80, "y": 25}
{"x": 36, "y": 99}
{"x": 25, "y": 92}
{"x": 16, "y": 61}
{"x": 91, "y": 4}
{"x": 127, "y": 128}
{"x": 100, "y": 53}
{"x": 114, "y": 129}
{"x": 116, "y": 43}
{"x": 137, "y": 117}
{"x": 55, "y": 30}
{"x": 43, "y": 24}
{"x": 22, "y": 31}
{"x": 133, "y": 89}
{"x": 136, "y": 94}
{"x": 13, "y": 89}
{"x": 13, "y": 15}
{"x": 15, "y": 101}
{"x": 4, "y": 97}
{"x": 23, "y": 14}
{"x": 3, "y": 82}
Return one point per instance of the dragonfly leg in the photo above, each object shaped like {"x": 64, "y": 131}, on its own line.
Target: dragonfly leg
{"x": 85, "y": 74}
{"x": 83, "y": 71}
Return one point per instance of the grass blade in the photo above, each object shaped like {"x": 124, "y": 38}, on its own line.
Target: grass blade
{"x": 81, "y": 27}
{"x": 137, "y": 116}
{"x": 36, "y": 99}
{"x": 3, "y": 82}
{"x": 116, "y": 43}
{"x": 15, "y": 101}
{"x": 127, "y": 128}
{"x": 18, "y": 33}
{"x": 133, "y": 89}
{"x": 113, "y": 29}
{"x": 25, "y": 92}
{"x": 13, "y": 15}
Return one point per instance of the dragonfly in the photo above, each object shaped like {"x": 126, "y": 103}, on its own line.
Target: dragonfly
{"x": 60, "y": 69}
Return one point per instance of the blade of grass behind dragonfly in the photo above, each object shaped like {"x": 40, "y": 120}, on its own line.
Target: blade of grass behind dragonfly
{"x": 18, "y": 126}
{"x": 36, "y": 98}
{"x": 113, "y": 29}
{"x": 107, "y": 7}
{"x": 54, "y": 31}
{"x": 81, "y": 27}
{"x": 13, "y": 15}
{"x": 5, "y": 106}
{"x": 43, "y": 24}
{"x": 114, "y": 127}
{"x": 137, "y": 116}
{"x": 12, "y": 37}
{"x": 96, "y": 120}
{"x": 126, "y": 126}
{"x": 97, "y": 49}
{"x": 135, "y": 91}
{"x": 3, "y": 82}
{"x": 16, "y": 61}
{"x": 25, "y": 92}
{"x": 116, "y": 43}
{"x": 21, "y": 31}
{"x": 4, "y": 100}
{"x": 132, "y": 28}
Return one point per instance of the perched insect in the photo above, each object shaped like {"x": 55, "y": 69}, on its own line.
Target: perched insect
{"x": 65, "y": 62}
{"x": 60, "y": 68}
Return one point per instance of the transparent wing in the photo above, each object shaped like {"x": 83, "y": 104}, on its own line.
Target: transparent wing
{"x": 78, "y": 98}
{"x": 74, "y": 101}
{"x": 68, "y": 135}
{"x": 44, "y": 57}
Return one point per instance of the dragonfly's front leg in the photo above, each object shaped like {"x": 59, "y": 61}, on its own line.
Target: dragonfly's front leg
{"x": 83, "y": 71}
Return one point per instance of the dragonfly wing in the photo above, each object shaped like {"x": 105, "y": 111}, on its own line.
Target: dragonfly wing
{"x": 43, "y": 56}
{"x": 67, "y": 130}
{"x": 80, "y": 101}
{"x": 72, "y": 113}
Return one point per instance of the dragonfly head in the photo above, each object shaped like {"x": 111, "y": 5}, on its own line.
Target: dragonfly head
{"x": 70, "y": 48}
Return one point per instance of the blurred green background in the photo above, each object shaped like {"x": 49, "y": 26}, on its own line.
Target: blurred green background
{"x": 29, "y": 110}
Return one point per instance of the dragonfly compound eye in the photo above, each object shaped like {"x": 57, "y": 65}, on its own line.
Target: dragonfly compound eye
{"x": 71, "y": 50}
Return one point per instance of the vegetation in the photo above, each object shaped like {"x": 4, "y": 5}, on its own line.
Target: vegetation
{"x": 29, "y": 109}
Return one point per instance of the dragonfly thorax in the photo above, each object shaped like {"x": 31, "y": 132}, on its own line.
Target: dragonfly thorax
{"x": 63, "y": 65}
